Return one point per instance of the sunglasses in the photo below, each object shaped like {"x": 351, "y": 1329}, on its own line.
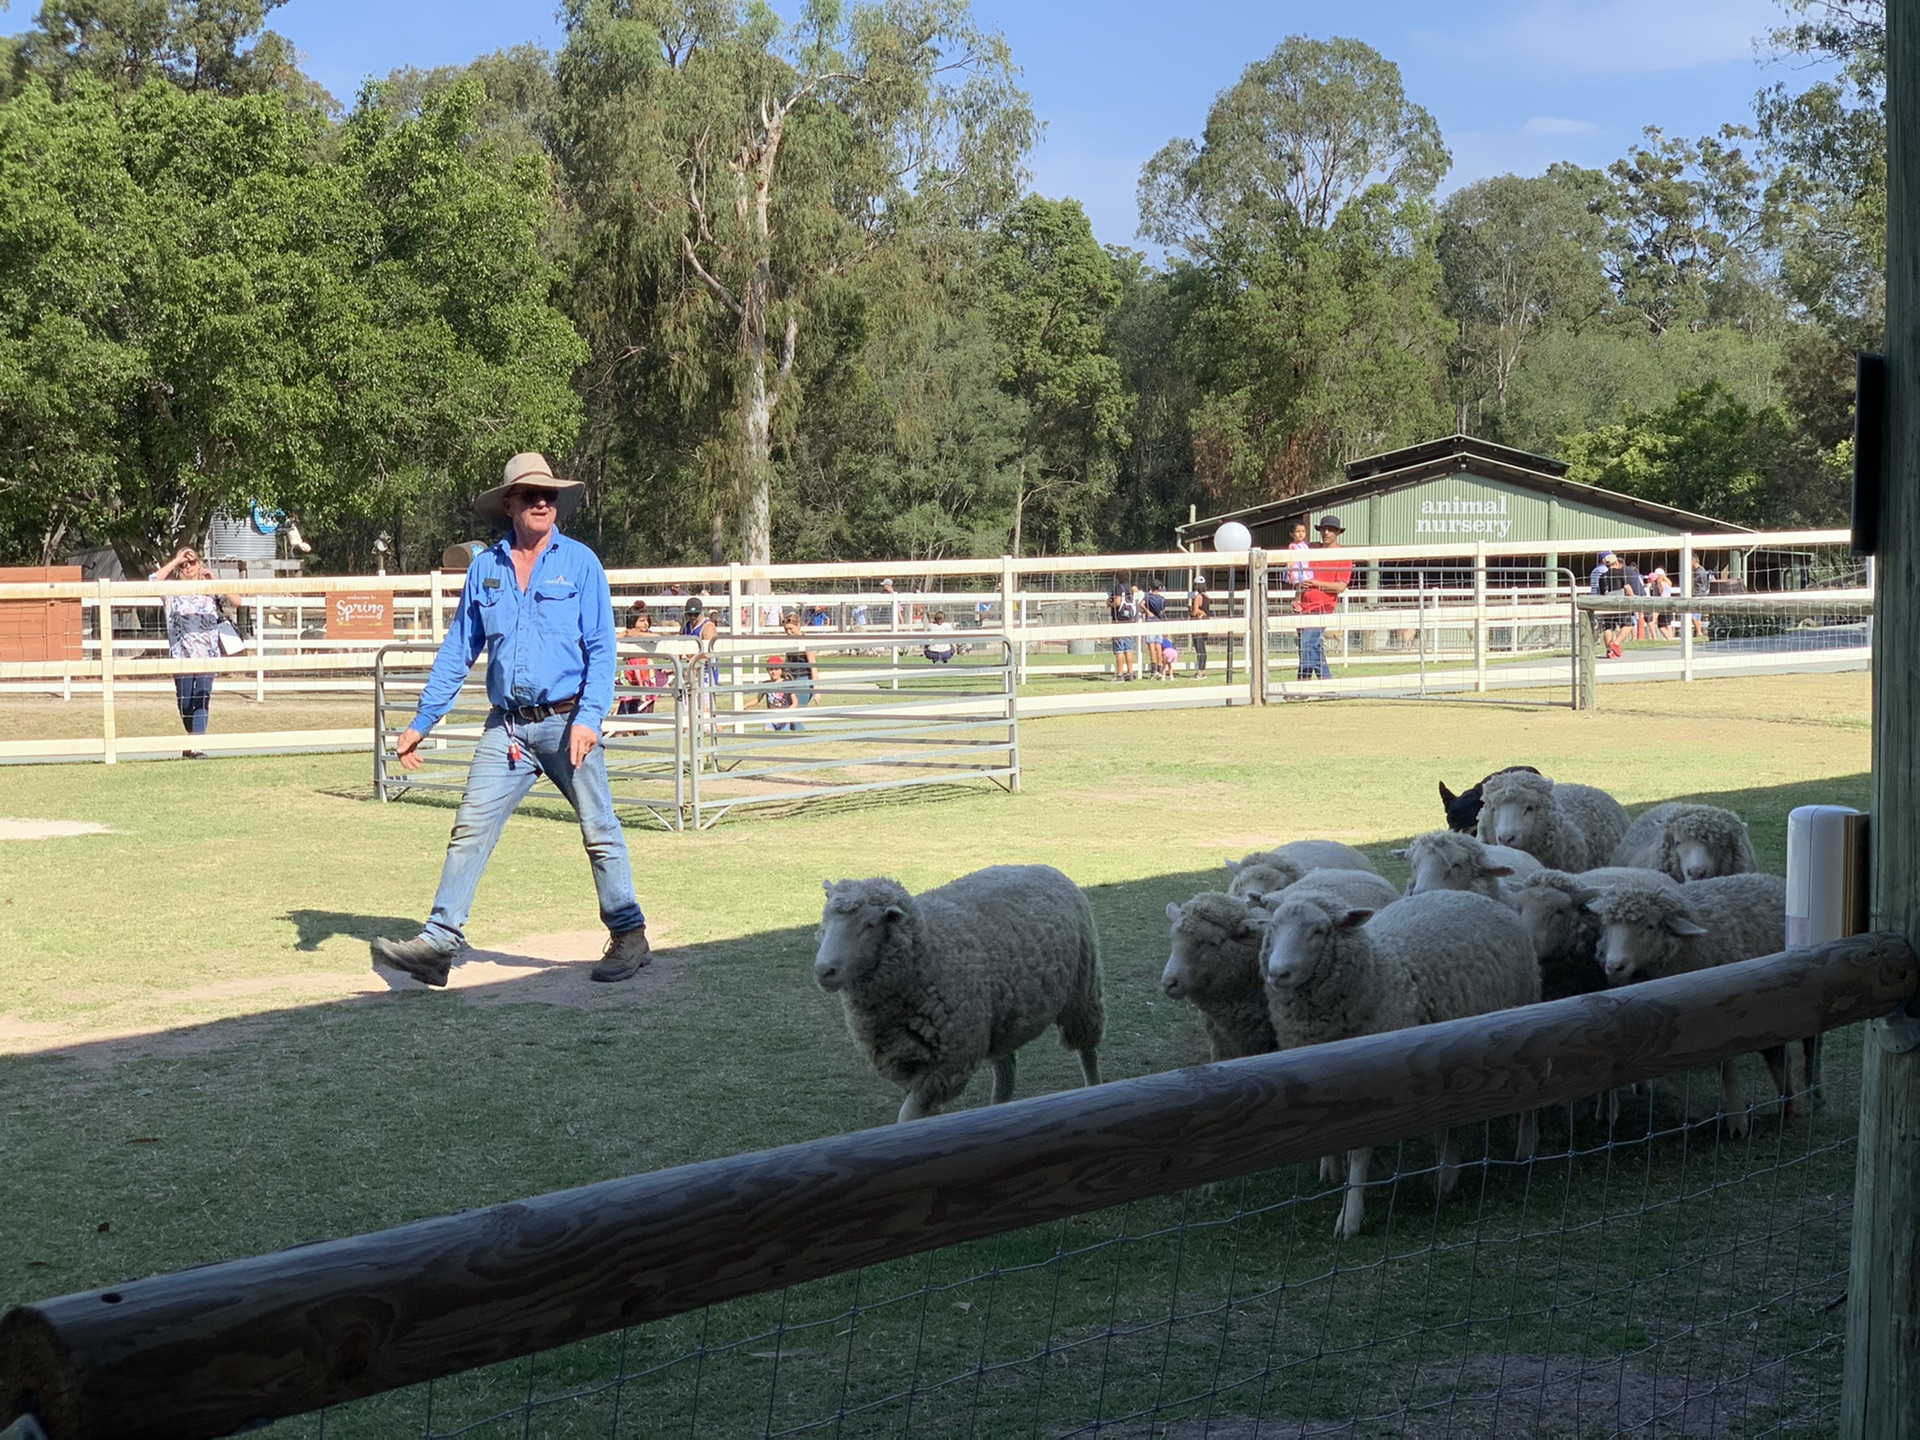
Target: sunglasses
{"x": 537, "y": 497}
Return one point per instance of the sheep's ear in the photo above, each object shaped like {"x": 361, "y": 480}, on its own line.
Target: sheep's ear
{"x": 1266, "y": 900}
{"x": 1497, "y": 871}
{"x": 1683, "y": 927}
{"x": 827, "y": 885}
{"x": 1447, "y": 798}
{"x": 1173, "y": 911}
{"x": 1402, "y": 854}
{"x": 1233, "y": 867}
{"x": 892, "y": 914}
{"x": 1353, "y": 919}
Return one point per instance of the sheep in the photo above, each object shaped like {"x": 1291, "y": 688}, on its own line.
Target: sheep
{"x": 1654, "y": 928}
{"x": 1333, "y": 972}
{"x": 1215, "y": 964}
{"x": 1446, "y": 860}
{"x": 1564, "y": 827}
{"x": 1688, "y": 842}
{"x": 1463, "y": 810}
{"x": 1268, "y": 870}
{"x": 1215, "y": 955}
{"x": 935, "y": 984}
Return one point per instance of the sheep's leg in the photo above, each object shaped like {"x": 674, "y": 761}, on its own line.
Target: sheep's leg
{"x": 1353, "y": 1210}
{"x": 1526, "y": 1135}
{"x": 1446, "y": 1175}
{"x": 1606, "y": 1106}
{"x": 915, "y": 1106}
{"x": 1002, "y": 1080}
{"x": 1332, "y": 1169}
{"x": 1089, "y": 1065}
{"x": 1780, "y": 1066}
{"x": 1733, "y": 1104}
{"x": 1810, "y": 1070}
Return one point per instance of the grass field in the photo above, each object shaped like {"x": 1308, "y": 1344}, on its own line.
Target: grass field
{"x": 200, "y": 1063}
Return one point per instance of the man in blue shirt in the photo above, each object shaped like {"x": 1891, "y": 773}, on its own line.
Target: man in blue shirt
{"x": 539, "y": 604}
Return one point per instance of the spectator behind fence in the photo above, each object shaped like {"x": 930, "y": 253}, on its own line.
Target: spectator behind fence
{"x": 640, "y": 672}
{"x": 193, "y": 633}
{"x": 1199, "y": 607}
{"x": 798, "y": 665}
{"x": 537, "y": 602}
{"x": 1123, "y": 611}
{"x": 1319, "y": 594}
{"x": 939, "y": 651}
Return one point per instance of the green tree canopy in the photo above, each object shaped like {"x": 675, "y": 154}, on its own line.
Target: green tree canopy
{"x": 201, "y": 307}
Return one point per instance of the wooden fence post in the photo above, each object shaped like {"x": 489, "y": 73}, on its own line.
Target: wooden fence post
{"x": 1257, "y": 626}
{"x": 109, "y": 731}
{"x": 1686, "y": 625}
{"x": 1881, "y": 1394}
{"x": 1480, "y": 616}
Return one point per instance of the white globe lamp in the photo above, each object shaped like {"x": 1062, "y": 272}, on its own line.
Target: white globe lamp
{"x": 1232, "y": 536}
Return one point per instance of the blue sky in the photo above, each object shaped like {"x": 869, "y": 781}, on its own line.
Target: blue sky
{"x": 1515, "y": 84}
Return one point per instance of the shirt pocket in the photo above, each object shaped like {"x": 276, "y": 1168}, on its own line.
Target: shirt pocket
{"x": 556, "y": 610}
{"x": 494, "y": 613}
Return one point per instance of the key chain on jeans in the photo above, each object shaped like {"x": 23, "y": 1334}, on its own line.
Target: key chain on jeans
{"x": 514, "y": 751}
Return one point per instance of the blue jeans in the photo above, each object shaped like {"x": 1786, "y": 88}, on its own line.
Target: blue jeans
{"x": 193, "y": 694}
{"x": 1313, "y": 656}
{"x": 495, "y": 788}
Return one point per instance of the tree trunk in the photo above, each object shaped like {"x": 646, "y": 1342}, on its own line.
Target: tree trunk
{"x": 1019, "y": 507}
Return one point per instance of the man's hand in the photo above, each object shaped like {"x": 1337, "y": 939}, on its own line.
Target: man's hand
{"x": 580, "y": 743}
{"x": 408, "y": 747}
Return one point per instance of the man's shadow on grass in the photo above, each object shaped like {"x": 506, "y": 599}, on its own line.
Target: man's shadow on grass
{"x": 316, "y": 927}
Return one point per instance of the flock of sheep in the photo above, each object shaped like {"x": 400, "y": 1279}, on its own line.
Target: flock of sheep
{"x": 1536, "y": 891}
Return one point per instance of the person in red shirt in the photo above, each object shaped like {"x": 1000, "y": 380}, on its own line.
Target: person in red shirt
{"x": 1319, "y": 594}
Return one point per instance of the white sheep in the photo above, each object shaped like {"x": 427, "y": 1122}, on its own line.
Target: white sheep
{"x": 1268, "y": 870}
{"x": 1564, "y": 827}
{"x": 1333, "y": 972}
{"x": 1215, "y": 964}
{"x": 1688, "y": 842}
{"x": 934, "y": 985}
{"x": 1214, "y": 959}
{"x": 1448, "y": 860}
{"x": 1654, "y": 928}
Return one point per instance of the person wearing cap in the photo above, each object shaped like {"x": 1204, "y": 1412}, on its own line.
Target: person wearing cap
{"x": 1319, "y": 594}
{"x": 538, "y": 603}
{"x": 1610, "y": 578}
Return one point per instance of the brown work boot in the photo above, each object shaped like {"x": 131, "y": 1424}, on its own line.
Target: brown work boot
{"x": 627, "y": 953}
{"x": 420, "y": 958}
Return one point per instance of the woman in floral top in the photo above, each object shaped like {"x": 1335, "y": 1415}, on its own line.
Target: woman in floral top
{"x": 192, "y": 623}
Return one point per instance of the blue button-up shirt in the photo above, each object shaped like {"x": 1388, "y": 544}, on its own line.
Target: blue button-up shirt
{"x": 550, "y": 643}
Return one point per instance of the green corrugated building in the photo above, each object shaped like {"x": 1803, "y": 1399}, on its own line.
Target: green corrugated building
{"x": 1451, "y": 493}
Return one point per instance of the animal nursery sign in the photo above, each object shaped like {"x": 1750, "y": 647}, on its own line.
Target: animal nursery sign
{"x": 1460, "y": 516}
{"x": 360, "y": 615}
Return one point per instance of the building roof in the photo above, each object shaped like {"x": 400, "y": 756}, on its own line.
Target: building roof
{"x": 1433, "y": 459}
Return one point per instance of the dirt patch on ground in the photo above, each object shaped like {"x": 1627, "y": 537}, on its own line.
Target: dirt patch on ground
{"x": 48, "y": 829}
{"x": 543, "y": 969}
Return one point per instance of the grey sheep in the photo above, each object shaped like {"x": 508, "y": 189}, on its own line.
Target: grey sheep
{"x": 1268, "y": 870}
{"x": 934, "y": 985}
{"x": 1215, "y": 964}
{"x": 1333, "y": 972}
{"x": 1566, "y": 934}
{"x": 1688, "y": 842}
{"x": 1448, "y": 860}
{"x": 1214, "y": 959}
{"x": 1564, "y": 827}
{"x": 1654, "y": 928}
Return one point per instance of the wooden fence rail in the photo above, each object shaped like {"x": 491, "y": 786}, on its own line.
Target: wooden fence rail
{"x": 204, "y": 1352}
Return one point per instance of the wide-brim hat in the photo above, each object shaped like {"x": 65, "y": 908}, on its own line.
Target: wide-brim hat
{"x": 529, "y": 469}
{"x": 1330, "y": 522}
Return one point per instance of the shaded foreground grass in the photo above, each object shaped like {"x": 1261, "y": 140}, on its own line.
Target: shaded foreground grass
{"x": 204, "y": 1066}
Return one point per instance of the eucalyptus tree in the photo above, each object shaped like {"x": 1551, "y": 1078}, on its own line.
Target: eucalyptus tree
{"x": 222, "y": 46}
{"x": 730, "y": 168}
{"x": 1307, "y": 204}
{"x": 1519, "y": 256}
{"x": 1049, "y": 291}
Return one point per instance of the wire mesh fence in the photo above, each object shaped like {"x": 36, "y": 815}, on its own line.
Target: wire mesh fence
{"x": 1656, "y": 1277}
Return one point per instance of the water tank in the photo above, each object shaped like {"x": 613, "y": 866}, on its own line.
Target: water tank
{"x": 232, "y": 537}
{"x": 460, "y": 556}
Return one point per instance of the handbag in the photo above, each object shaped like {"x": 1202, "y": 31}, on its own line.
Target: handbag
{"x": 231, "y": 641}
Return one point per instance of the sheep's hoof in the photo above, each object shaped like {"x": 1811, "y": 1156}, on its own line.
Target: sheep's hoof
{"x": 1736, "y": 1123}
{"x": 1346, "y": 1227}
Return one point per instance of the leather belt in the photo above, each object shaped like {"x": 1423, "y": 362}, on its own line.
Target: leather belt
{"x": 534, "y": 714}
